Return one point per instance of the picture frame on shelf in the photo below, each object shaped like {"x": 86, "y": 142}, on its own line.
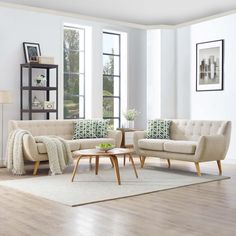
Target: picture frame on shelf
{"x": 32, "y": 52}
{"x": 210, "y": 65}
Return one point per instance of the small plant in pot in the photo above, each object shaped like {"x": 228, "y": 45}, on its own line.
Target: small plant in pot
{"x": 130, "y": 116}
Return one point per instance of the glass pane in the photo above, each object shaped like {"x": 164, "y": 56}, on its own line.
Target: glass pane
{"x": 81, "y": 62}
{"x": 111, "y": 65}
{"x": 71, "y": 38}
{"x": 111, "y": 86}
{"x": 116, "y": 123}
{"x": 81, "y": 84}
{"x": 111, "y": 107}
{"x": 113, "y": 124}
{"x": 81, "y": 38}
{"x": 111, "y": 43}
{"x": 81, "y": 107}
{"x": 71, "y": 96}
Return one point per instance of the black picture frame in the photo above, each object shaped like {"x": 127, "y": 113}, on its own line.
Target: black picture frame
{"x": 210, "y": 66}
{"x": 31, "y": 52}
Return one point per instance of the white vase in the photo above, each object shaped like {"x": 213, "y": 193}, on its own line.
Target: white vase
{"x": 130, "y": 124}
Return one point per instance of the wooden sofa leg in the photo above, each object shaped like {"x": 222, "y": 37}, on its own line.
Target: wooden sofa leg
{"x": 198, "y": 168}
{"x": 36, "y": 166}
{"x": 168, "y": 160}
{"x": 142, "y": 161}
{"x": 140, "y": 158}
{"x": 219, "y": 167}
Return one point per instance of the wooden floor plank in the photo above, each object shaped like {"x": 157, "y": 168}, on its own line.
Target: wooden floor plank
{"x": 205, "y": 209}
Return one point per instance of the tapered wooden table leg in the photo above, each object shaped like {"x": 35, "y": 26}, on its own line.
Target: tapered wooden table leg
{"x": 111, "y": 162}
{"x": 132, "y": 161}
{"x": 116, "y": 167}
{"x": 97, "y": 165}
{"x": 75, "y": 168}
{"x": 124, "y": 159}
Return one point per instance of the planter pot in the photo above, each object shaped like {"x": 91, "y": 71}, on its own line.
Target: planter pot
{"x": 130, "y": 124}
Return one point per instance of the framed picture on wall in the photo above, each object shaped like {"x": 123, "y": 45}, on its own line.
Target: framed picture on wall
{"x": 210, "y": 65}
{"x": 31, "y": 51}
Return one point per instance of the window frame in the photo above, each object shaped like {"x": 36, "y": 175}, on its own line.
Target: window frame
{"x": 114, "y": 76}
{"x": 75, "y": 73}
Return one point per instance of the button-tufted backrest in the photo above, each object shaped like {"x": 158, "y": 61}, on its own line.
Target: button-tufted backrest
{"x": 193, "y": 129}
{"x": 61, "y": 128}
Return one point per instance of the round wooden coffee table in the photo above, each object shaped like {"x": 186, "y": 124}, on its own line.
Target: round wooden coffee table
{"x": 112, "y": 154}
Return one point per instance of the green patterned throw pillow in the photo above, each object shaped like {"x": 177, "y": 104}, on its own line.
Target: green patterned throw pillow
{"x": 102, "y": 128}
{"x": 84, "y": 129}
{"x": 158, "y": 129}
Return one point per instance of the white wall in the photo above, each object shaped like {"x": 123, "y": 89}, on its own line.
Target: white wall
{"x": 161, "y": 73}
{"x": 216, "y": 105}
{"x": 137, "y": 93}
{"x": 17, "y": 26}
{"x": 153, "y": 74}
{"x": 168, "y": 74}
{"x": 183, "y": 73}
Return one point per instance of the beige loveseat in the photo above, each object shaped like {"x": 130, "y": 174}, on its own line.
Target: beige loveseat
{"x": 190, "y": 140}
{"x": 37, "y": 152}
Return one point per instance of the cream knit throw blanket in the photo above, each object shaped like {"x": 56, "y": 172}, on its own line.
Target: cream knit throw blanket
{"x": 59, "y": 153}
{"x": 15, "y": 160}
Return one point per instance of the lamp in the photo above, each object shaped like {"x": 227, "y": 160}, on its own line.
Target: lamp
{"x": 5, "y": 98}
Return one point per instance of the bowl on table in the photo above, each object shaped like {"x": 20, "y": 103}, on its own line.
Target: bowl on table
{"x": 105, "y": 147}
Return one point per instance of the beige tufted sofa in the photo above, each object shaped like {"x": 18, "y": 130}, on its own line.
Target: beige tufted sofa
{"x": 37, "y": 152}
{"x": 191, "y": 140}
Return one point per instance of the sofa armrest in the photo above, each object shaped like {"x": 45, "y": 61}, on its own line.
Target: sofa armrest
{"x": 116, "y": 135}
{"x": 211, "y": 148}
{"x": 138, "y": 135}
{"x": 30, "y": 147}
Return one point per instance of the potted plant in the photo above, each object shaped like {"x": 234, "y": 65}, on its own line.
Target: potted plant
{"x": 130, "y": 116}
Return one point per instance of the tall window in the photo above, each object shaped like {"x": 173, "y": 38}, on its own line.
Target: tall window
{"x": 111, "y": 78}
{"x": 74, "y": 72}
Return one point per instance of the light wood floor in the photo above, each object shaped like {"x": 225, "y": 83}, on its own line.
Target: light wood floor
{"x": 205, "y": 209}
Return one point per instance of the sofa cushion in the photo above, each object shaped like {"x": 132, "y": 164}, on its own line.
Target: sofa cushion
{"x": 92, "y": 143}
{"x": 84, "y": 129}
{"x": 102, "y": 128}
{"x": 179, "y": 146}
{"x": 73, "y": 144}
{"x": 158, "y": 129}
{"x": 151, "y": 144}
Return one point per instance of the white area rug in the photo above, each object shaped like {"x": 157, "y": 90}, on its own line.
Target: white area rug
{"x": 89, "y": 188}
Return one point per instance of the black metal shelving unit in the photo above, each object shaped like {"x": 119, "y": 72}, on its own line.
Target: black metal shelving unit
{"x": 30, "y": 88}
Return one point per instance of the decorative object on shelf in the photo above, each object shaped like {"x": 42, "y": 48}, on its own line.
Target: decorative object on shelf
{"x": 48, "y": 105}
{"x": 36, "y": 104}
{"x": 5, "y": 98}
{"x": 40, "y": 80}
{"x": 130, "y": 116}
{"x": 32, "y": 52}
{"x": 45, "y": 60}
{"x": 209, "y": 65}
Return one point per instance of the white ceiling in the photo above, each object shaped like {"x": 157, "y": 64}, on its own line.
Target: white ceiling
{"x": 145, "y": 12}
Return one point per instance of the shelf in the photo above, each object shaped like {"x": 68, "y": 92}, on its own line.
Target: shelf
{"x": 39, "y": 110}
{"x": 29, "y": 87}
{"x": 39, "y": 88}
{"x": 39, "y": 66}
